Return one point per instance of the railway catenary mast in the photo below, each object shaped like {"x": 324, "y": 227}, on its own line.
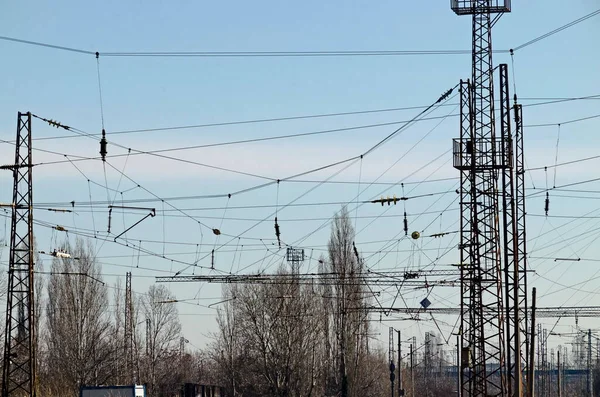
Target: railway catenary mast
{"x": 18, "y": 375}
{"x": 478, "y": 154}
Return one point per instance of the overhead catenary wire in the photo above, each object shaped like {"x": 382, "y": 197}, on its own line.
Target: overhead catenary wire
{"x": 557, "y": 30}
{"x": 157, "y": 152}
{"x": 370, "y": 150}
{"x": 299, "y": 241}
{"x": 238, "y": 239}
{"x": 545, "y": 101}
{"x": 336, "y": 53}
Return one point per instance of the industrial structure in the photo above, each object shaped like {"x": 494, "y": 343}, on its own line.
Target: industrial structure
{"x": 128, "y": 334}
{"x": 491, "y": 313}
{"x": 18, "y": 376}
{"x": 499, "y": 351}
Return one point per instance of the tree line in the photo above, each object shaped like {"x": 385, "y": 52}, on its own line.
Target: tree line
{"x": 79, "y": 331}
{"x": 299, "y": 339}
{"x": 287, "y": 339}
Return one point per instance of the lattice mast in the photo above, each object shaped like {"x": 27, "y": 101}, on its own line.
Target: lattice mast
{"x": 18, "y": 376}
{"x": 128, "y": 334}
{"x": 478, "y": 156}
{"x": 521, "y": 233}
{"x": 512, "y": 279}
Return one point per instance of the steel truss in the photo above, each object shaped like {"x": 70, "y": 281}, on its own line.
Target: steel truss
{"x": 18, "y": 376}
{"x": 479, "y": 157}
{"x": 128, "y": 331}
{"x": 406, "y": 279}
{"x": 540, "y": 312}
{"x": 521, "y": 237}
{"x": 514, "y": 323}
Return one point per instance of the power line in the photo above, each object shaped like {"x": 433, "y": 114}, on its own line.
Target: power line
{"x": 351, "y": 160}
{"x": 557, "y": 30}
{"x": 76, "y": 158}
{"x": 196, "y": 197}
{"x": 545, "y": 101}
{"x": 333, "y": 53}
{"x": 262, "y": 120}
{"x": 563, "y": 186}
{"x": 565, "y": 163}
{"x": 53, "y": 46}
{"x": 563, "y": 122}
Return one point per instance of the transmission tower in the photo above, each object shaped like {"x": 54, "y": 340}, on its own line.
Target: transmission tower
{"x": 391, "y": 360}
{"x": 295, "y": 257}
{"x": 478, "y": 156}
{"x": 128, "y": 345}
{"x": 521, "y": 237}
{"x": 515, "y": 271}
{"x": 18, "y": 376}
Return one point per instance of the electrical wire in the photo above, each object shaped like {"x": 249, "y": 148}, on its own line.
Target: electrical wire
{"x": 557, "y": 30}
{"x": 335, "y": 53}
{"x": 563, "y": 122}
{"x": 545, "y": 101}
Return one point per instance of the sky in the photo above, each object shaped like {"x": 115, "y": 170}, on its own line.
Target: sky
{"x": 158, "y": 92}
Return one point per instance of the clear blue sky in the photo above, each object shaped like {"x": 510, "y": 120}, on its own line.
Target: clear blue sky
{"x": 159, "y": 92}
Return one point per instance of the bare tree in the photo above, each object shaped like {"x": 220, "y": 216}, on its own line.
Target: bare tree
{"x": 39, "y": 299}
{"x": 165, "y": 331}
{"x": 78, "y": 347}
{"x": 270, "y": 339}
{"x": 350, "y": 296}
{"x": 226, "y": 348}
{"x": 295, "y": 339}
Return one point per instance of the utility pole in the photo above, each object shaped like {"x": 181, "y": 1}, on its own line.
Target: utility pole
{"x": 521, "y": 236}
{"x": 544, "y": 360}
{"x": 551, "y": 370}
{"x": 391, "y": 359}
{"x": 531, "y": 370}
{"x": 511, "y": 249}
{"x": 18, "y": 373}
{"x": 400, "y": 388}
{"x": 476, "y": 156}
{"x": 558, "y": 383}
{"x": 128, "y": 333}
{"x": 428, "y": 377}
{"x": 590, "y": 379}
{"x": 458, "y": 367}
{"x": 412, "y": 371}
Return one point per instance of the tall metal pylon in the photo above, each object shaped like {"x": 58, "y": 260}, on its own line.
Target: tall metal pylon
{"x": 128, "y": 334}
{"x": 18, "y": 375}
{"x": 521, "y": 236}
{"x": 513, "y": 201}
{"x": 478, "y": 156}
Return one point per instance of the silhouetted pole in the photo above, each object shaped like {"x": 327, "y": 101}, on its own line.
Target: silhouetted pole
{"x": 400, "y": 389}
{"x": 412, "y": 373}
{"x": 558, "y": 373}
{"x": 531, "y": 375}
{"x": 590, "y": 385}
{"x": 458, "y": 368}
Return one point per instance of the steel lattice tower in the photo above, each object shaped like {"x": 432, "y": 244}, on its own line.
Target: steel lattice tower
{"x": 478, "y": 156}
{"x": 521, "y": 236}
{"x": 513, "y": 235}
{"x": 18, "y": 376}
{"x": 128, "y": 342}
